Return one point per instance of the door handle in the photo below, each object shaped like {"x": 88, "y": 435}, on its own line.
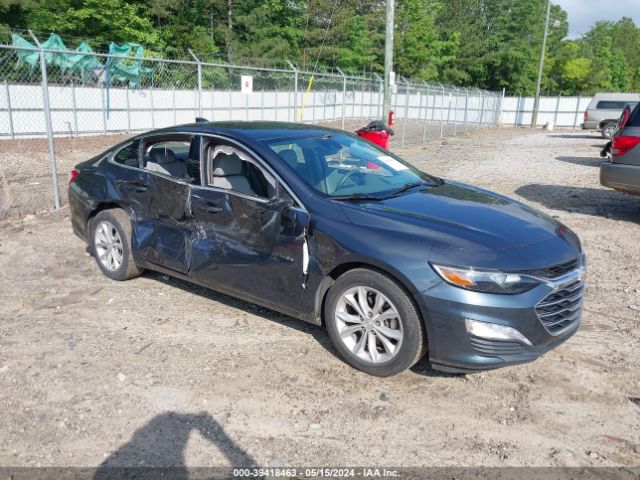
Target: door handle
{"x": 212, "y": 209}
{"x": 137, "y": 187}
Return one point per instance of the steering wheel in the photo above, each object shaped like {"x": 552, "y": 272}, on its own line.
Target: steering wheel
{"x": 345, "y": 178}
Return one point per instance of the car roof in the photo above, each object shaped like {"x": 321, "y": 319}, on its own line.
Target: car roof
{"x": 257, "y": 130}
{"x": 617, "y": 96}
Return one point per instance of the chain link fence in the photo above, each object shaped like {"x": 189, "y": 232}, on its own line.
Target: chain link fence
{"x": 69, "y": 114}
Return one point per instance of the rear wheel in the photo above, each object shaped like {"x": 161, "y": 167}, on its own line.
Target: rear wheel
{"x": 608, "y": 129}
{"x": 374, "y": 323}
{"x": 111, "y": 244}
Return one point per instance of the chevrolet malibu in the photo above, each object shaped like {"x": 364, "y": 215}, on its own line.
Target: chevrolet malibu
{"x": 327, "y": 227}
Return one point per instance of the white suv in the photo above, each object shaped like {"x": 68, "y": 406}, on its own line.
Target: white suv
{"x": 603, "y": 111}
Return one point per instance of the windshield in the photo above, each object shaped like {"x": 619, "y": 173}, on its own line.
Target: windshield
{"x": 341, "y": 165}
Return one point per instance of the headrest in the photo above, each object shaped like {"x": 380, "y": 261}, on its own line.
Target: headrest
{"x": 225, "y": 165}
{"x": 290, "y": 157}
{"x": 162, "y": 156}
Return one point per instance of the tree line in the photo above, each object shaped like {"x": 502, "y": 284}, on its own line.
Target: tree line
{"x": 491, "y": 44}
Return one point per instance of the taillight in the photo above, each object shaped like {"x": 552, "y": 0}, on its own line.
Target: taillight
{"x": 622, "y": 144}
{"x": 586, "y": 115}
{"x": 73, "y": 175}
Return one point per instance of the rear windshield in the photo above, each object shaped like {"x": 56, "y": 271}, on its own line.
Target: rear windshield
{"x": 634, "y": 118}
{"x": 610, "y": 105}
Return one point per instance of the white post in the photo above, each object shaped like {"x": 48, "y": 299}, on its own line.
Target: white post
{"x": 499, "y": 121}
{"x": 153, "y": 119}
{"x": 455, "y": 116}
{"x": 295, "y": 91}
{"x": 6, "y": 88}
{"x": 406, "y": 111}
{"x": 199, "y": 66}
{"x": 481, "y": 111}
{"x": 344, "y": 95}
{"x": 47, "y": 119}
{"x": 466, "y": 107}
{"x": 128, "y": 109}
{"x": 442, "y": 112}
{"x": 104, "y": 111}
{"x": 73, "y": 104}
{"x": 424, "y": 124}
{"x": 173, "y": 104}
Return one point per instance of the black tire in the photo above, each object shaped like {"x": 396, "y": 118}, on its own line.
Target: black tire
{"x": 608, "y": 129}
{"x": 121, "y": 223}
{"x": 413, "y": 345}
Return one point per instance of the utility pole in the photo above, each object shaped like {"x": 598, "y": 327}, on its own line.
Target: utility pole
{"x": 388, "y": 60}
{"x": 536, "y": 102}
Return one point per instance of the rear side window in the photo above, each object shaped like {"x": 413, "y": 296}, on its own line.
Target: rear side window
{"x": 128, "y": 155}
{"x": 610, "y": 105}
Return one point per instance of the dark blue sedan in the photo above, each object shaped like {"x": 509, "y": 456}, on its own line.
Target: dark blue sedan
{"x": 327, "y": 227}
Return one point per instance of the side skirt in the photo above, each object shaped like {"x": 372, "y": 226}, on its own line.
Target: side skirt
{"x": 309, "y": 317}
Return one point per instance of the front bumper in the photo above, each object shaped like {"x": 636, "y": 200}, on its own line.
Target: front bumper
{"x": 625, "y": 178}
{"x": 453, "y": 349}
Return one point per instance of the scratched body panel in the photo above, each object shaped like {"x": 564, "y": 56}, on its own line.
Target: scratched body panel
{"x": 246, "y": 245}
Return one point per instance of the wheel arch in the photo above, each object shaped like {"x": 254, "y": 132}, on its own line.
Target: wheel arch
{"x": 602, "y": 123}
{"x": 352, "y": 264}
{"x": 102, "y": 206}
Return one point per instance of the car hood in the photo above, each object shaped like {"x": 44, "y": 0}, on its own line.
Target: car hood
{"x": 466, "y": 220}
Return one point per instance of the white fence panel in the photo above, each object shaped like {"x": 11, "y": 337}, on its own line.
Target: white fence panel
{"x": 564, "y": 112}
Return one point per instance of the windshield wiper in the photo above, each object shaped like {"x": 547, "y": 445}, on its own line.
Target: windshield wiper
{"x": 355, "y": 197}
{"x": 409, "y": 186}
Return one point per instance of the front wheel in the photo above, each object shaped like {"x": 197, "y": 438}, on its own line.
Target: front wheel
{"x": 373, "y": 323}
{"x": 608, "y": 129}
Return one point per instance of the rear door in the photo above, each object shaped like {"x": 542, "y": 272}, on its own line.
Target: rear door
{"x": 163, "y": 229}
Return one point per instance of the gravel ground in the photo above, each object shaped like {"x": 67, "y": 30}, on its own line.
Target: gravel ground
{"x": 155, "y": 371}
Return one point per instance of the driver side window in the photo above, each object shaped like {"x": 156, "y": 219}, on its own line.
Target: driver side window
{"x": 231, "y": 169}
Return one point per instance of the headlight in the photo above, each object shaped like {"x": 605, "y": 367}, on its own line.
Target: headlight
{"x": 486, "y": 281}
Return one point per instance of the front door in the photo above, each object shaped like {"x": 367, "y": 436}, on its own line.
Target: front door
{"x": 251, "y": 235}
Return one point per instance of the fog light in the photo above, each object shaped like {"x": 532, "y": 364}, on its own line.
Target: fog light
{"x": 494, "y": 331}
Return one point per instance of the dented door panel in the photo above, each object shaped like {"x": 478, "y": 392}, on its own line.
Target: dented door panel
{"x": 248, "y": 245}
{"x": 162, "y": 231}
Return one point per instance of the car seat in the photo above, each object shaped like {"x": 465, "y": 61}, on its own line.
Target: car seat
{"x": 228, "y": 174}
{"x": 163, "y": 160}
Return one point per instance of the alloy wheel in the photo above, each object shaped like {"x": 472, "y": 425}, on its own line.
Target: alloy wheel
{"x": 369, "y": 325}
{"x": 108, "y": 245}
{"x": 609, "y": 130}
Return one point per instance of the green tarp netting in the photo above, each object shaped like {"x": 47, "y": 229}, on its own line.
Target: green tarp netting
{"x": 130, "y": 71}
{"x": 121, "y": 70}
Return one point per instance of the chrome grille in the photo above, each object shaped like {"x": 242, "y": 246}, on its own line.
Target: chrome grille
{"x": 561, "y": 308}
{"x": 555, "y": 271}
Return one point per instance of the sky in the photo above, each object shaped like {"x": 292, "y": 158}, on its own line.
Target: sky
{"x": 584, "y": 13}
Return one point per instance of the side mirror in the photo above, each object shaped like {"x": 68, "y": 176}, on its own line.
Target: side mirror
{"x": 282, "y": 219}
{"x": 294, "y": 221}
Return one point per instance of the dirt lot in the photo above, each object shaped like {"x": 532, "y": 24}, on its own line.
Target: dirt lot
{"x": 155, "y": 371}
